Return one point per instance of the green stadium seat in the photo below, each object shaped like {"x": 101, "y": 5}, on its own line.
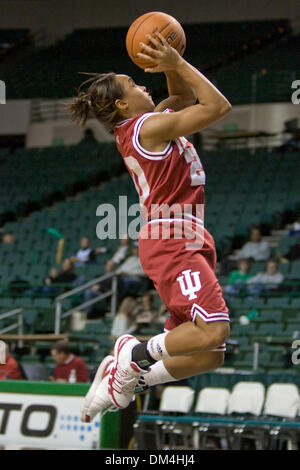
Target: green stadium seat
{"x": 277, "y": 302}
{"x": 269, "y": 329}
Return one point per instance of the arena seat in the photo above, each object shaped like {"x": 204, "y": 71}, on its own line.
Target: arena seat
{"x": 212, "y": 400}
{"x": 247, "y": 397}
{"x": 218, "y": 42}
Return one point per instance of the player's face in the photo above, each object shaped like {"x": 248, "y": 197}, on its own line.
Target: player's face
{"x": 136, "y": 99}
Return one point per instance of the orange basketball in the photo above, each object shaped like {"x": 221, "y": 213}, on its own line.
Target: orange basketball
{"x": 149, "y": 24}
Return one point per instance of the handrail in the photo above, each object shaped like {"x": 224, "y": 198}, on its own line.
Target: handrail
{"x": 19, "y": 323}
{"x": 59, "y": 316}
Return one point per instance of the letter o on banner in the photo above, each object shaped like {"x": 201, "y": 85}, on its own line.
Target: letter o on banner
{"x": 52, "y": 412}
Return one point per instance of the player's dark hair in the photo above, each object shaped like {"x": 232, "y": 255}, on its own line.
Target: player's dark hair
{"x": 98, "y": 100}
{"x": 62, "y": 347}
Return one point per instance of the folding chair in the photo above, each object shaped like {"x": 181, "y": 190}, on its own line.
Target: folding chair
{"x": 174, "y": 399}
{"x": 211, "y": 400}
{"x": 246, "y": 399}
{"x": 282, "y": 401}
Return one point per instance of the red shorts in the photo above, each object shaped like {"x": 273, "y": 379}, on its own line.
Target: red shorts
{"x": 185, "y": 279}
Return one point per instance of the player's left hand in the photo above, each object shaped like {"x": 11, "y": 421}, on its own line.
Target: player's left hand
{"x": 163, "y": 56}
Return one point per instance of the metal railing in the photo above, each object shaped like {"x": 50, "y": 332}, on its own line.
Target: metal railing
{"x": 59, "y": 315}
{"x": 48, "y": 110}
{"x": 256, "y": 346}
{"x": 17, "y": 325}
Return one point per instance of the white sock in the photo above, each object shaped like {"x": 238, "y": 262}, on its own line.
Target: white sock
{"x": 158, "y": 374}
{"x": 156, "y": 347}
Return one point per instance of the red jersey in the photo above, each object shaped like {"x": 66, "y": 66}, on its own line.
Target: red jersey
{"x": 170, "y": 185}
{"x": 173, "y": 177}
{"x": 63, "y": 371}
{"x": 10, "y": 370}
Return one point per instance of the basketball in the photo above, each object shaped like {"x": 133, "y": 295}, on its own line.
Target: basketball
{"x": 149, "y": 23}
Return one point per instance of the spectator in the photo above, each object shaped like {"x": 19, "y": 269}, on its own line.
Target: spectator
{"x": 89, "y": 137}
{"x": 66, "y": 363}
{"x": 53, "y": 273}
{"x": 123, "y": 321}
{"x": 270, "y": 279}
{"x": 129, "y": 279}
{"x": 86, "y": 254}
{"x": 293, "y": 253}
{"x": 67, "y": 275}
{"x": 8, "y": 238}
{"x": 120, "y": 254}
{"x": 292, "y": 144}
{"x": 145, "y": 313}
{"x": 238, "y": 278}
{"x": 256, "y": 249}
{"x": 161, "y": 316}
{"x": 130, "y": 274}
{"x": 10, "y": 370}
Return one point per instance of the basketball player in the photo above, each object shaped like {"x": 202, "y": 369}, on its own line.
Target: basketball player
{"x": 167, "y": 172}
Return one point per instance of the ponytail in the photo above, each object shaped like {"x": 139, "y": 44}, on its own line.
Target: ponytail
{"x": 98, "y": 101}
{"x": 80, "y": 108}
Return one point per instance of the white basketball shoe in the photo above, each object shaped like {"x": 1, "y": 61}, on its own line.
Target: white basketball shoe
{"x": 98, "y": 399}
{"x": 125, "y": 373}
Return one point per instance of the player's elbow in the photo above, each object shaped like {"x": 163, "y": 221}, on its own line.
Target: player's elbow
{"x": 221, "y": 109}
{"x": 225, "y": 107}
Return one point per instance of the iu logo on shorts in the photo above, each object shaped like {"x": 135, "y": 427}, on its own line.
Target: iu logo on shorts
{"x": 189, "y": 283}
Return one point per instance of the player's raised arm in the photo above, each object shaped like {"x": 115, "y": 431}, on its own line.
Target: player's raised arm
{"x": 181, "y": 95}
{"x": 212, "y": 104}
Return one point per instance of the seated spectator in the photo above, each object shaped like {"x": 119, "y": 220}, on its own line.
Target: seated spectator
{"x": 292, "y": 144}
{"x": 256, "y": 249}
{"x": 145, "y": 312}
{"x": 238, "y": 278}
{"x": 130, "y": 274}
{"x": 161, "y": 316}
{"x": 86, "y": 254}
{"x": 66, "y": 363}
{"x": 67, "y": 276}
{"x": 293, "y": 253}
{"x": 8, "y": 238}
{"x": 123, "y": 321}
{"x": 119, "y": 255}
{"x": 130, "y": 277}
{"x": 10, "y": 370}
{"x": 268, "y": 280}
{"x": 88, "y": 138}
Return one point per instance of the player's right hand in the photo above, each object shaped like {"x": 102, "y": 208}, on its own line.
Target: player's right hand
{"x": 161, "y": 54}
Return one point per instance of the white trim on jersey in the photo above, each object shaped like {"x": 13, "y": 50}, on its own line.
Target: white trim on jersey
{"x": 141, "y": 150}
{"x": 177, "y": 219}
{"x": 123, "y": 122}
{"x": 207, "y": 317}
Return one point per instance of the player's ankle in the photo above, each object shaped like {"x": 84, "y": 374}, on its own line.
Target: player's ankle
{"x": 141, "y": 356}
{"x": 147, "y": 354}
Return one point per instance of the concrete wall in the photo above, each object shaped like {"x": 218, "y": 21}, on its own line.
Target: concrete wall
{"x": 15, "y": 119}
{"x": 261, "y": 117}
{"x": 47, "y": 133}
{"x": 60, "y": 17}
